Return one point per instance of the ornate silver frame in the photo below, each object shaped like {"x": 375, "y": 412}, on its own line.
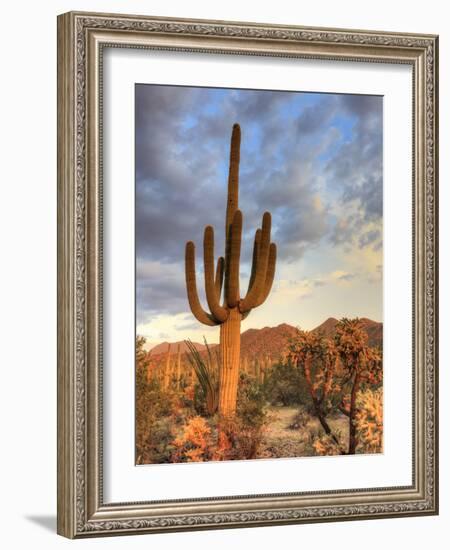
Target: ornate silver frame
{"x": 81, "y": 38}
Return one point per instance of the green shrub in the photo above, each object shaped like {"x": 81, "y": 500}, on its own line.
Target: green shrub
{"x": 285, "y": 385}
{"x": 251, "y": 403}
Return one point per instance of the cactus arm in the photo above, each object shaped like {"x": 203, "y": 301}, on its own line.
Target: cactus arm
{"x": 233, "y": 177}
{"x": 220, "y": 313}
{"x": 232, "y": 267}
{"x": 191, "y": 287}
{"x": 218, "y": 281}
{"x": 254, "y": 294}
{"x": 256, "y": 245}
{"x": 270, "y": 274}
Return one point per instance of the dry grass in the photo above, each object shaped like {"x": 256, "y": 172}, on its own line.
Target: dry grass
{"x": 280, "y": 441}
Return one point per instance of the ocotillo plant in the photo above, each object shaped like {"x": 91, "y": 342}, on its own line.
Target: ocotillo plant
{"x": 229, "y": 312}
{"x": 205, "y": 367}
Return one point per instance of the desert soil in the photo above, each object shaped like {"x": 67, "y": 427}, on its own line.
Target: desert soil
{"x": 281, "y": 441}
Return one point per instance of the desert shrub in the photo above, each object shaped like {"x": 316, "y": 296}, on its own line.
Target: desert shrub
{"x": 369, "y": 421}
{"x": 216, "y": 438}
{"x": 285, "y": 385}
{"x": 157, "y": 412}
{"x": 154, "y": 445}
{"x": 242, "y": 437}
{"x": 251, "y": 403}
{"x": 195, "y": 443}
{"x": 146, "y": 398}
{"x": 318, "y": 443}
{"x": 144, "y": 429}
{"x": 159, "y": 446}
{"x": 325, "y": 445}
{"x": 187, "y": 400}
{"x": 199, "y": 401}
{"x": 245, "y": 442}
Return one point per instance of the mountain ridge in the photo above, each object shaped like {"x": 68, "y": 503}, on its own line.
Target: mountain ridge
{"x": 270, "y": 341}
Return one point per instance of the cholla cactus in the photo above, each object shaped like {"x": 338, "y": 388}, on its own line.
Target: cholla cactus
{"x": 224, "y": 279}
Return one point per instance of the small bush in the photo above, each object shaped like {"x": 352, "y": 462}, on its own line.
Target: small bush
{"x": 285, "y": 385}
{"x": 195, "y": 443}
{"x": 325, "y": 446}
{"x": 156, "y": 445}
{"x": 251, "y": 403}
{"x": 245, "y": 433}
{"x": 369, "y": 421}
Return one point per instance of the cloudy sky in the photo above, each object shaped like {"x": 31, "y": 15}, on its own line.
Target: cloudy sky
{"x": 313, "y": 160}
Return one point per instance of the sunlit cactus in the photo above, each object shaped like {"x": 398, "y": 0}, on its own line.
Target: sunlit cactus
{"x": 150, "y": 367}
{"x": 226, "y": 307}
{"x": 244, "y": 364}
{"x": 258, "y": 371}
{"x": 178, "y": 370}
{"x": 166, "y": 380}
{"x": 265, "y": 366}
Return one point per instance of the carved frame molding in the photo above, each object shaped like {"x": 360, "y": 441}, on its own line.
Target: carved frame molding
{"x": 81, "y": 39}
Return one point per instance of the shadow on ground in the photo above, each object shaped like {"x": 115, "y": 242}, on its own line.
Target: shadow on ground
{"x": 46, "y": 522}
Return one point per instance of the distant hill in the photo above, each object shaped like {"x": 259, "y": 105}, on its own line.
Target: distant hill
{"x": 373, "y": 328}
{"x": 164, "y": 346}
{"x": 271, "y": 342}
{"x": 267, "y": 341}
{"x": 327, "y": 328}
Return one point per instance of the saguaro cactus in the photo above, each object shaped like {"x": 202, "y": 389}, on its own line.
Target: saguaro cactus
{"x": 229, "y": 312}
{"x": 167, "y": 370}
{"x": 150, "y": 367}
{"x": 178, "y": 371}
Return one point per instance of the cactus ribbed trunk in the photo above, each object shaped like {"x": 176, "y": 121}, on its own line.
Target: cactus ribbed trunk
{"x": 223, "y": 277}
{"x": 230, "y": 348}
{"x": 353, "y": 440}
{"x": 167, "y": 370}
{"x": 178, "y": 372}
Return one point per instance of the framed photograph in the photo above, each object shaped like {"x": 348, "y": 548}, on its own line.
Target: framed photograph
{"x": 247, "y": 276}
